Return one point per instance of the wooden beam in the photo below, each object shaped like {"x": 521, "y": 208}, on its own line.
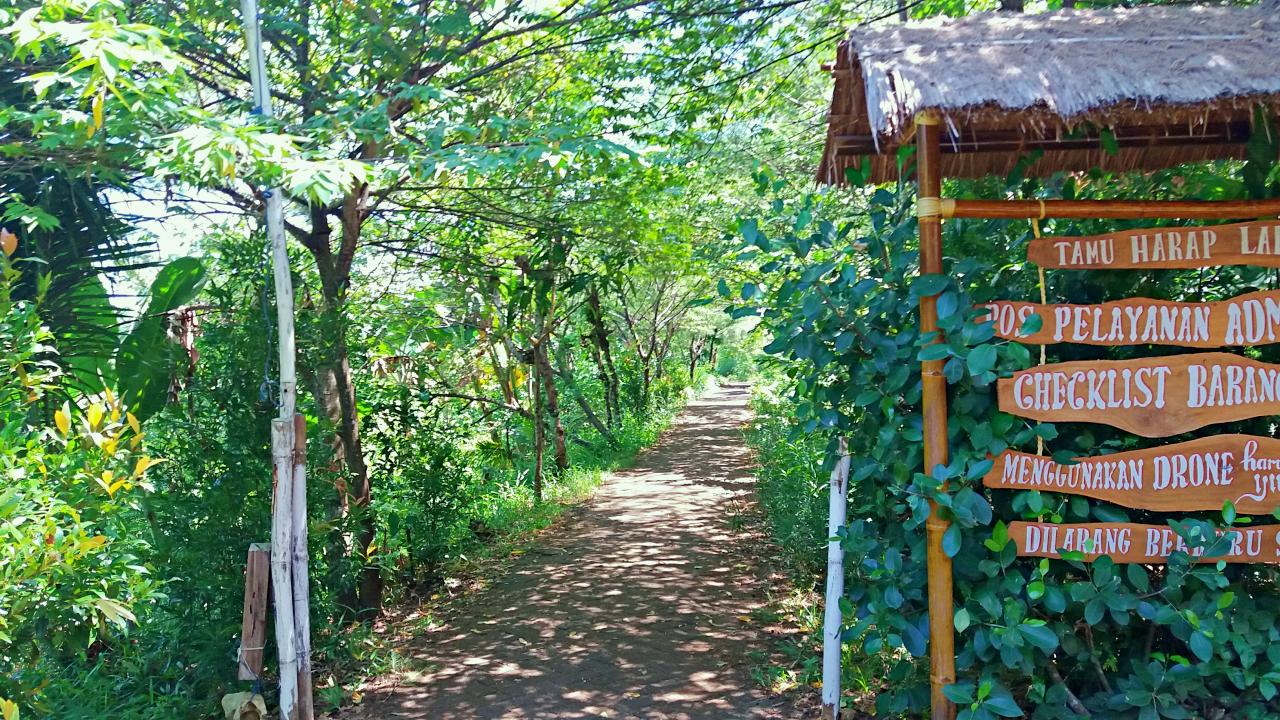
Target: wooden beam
{"x": 1112, "y": 209}
{"x": 253, "y": 627}
{"x": 993, "y": 141}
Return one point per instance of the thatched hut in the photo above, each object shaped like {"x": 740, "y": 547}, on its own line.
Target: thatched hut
{"x": 1123, "y": 89}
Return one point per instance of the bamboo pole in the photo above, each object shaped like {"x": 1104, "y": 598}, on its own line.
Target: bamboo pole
{"x": 941, "y": 614}
{"x": 1111, "y": 209}
{"x": 289, "y": 510}
{"x": 833, "y": 621}
{"x": 301, "y": 563}
{"x": 281, "y": 570}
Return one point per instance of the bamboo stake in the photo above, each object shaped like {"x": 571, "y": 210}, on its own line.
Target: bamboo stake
{"x": 833, "y": 620}
{"x": 941, "y": 613}
{"x": 289, "y": 510}
{"x": 281, "y": 570}
{"x": 301, "y": 564}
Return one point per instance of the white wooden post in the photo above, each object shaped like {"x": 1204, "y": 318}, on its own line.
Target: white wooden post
{"x": 832, "y": 621}
{"x": 289, "y": 512}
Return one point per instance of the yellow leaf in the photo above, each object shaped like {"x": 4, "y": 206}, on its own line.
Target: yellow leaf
{"x": 8, "y": 242}
{"x": 105, "y": 480}
{"x": 93, "y": 543}
{"x": 62, "y": 421}
{"x": 97, "y": 110}
{"x": 95, "y": 416}
{"x": 133, "y": 423}
{"x": 114, "y": 611}
{"x": 145, "y": 463}
{"x": 8, "y": 709}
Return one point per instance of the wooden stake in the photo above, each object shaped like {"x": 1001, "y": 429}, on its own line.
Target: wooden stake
{"x": 833, "y": 621}
{"x": 253, "y": 630}
{"x": 301, "y": 564}
{"x": 936, "y": 452}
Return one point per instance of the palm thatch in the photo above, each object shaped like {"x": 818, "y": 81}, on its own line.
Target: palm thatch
{"x": 1122, "y": 89}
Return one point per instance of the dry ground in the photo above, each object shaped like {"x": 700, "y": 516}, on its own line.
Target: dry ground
{"x": 638, "y": 607}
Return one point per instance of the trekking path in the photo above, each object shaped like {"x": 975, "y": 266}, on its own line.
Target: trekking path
{"x": 634, "y": 608}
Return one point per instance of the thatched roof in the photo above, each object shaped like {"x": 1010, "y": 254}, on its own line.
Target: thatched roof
{"x": 1172, "y": 84}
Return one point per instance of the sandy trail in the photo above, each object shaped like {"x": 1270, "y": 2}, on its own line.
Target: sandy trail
{"x": 632, "y": 609}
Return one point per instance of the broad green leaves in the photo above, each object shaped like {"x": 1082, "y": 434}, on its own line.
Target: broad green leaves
{"x": 147, "y": 358}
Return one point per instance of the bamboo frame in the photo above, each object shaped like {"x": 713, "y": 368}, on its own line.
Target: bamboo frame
{"x": 932, "y": 208}
{"x": 942, "y": 655}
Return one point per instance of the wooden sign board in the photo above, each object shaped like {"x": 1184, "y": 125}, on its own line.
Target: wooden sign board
{"x": 1250, "y": 243}
{"x": 1252, "y": 319}
{"x": 1134, "y": 543}
{"x": 1151, "y": 397}
{"x": 1197, "y": 475}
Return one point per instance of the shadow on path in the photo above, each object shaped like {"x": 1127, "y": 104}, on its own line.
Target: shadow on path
{"x": 630, "y": 611}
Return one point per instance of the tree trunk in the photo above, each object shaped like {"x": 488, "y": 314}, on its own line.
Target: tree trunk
{"x": 566, "y": 374}
{"x": 539, "y": 437}
{"x": 547, "y": 375}
{"x": 608, "y": 372}
{"x": 338, "y": 385}
{"x": 695, "y": 352}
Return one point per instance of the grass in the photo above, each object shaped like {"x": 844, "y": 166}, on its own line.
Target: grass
{"x": 792, "y": 489}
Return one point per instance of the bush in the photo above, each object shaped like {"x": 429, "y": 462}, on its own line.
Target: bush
{"x": 70, "y": 573}
{"x": 1040, "y": 636}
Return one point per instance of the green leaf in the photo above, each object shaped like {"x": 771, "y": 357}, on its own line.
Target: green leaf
{"x": 927, "y": 285}
{"x": 962, "y": 620}
{"x": 1041, "y": 636}
{"x": 1032, "y": 324}
{"x": 951, "y": 541}
{"x": 1002, "y": 705}
{"x": 981, "y": 359}
{"x": 1201, "y": 645}
{"x": 959, "y": 693}
{"x": 146, "y": 360}
{"x": 936, "y": 351}
{"x": 1109, "y": 142}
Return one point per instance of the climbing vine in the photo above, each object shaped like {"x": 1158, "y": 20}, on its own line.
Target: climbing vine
{"x": 834, "y": 279}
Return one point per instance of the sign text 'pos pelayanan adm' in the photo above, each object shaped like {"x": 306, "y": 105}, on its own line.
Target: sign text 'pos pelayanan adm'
{"x": 1200, "y": 474}
{"x": 1251, "y": 243}
{"x": 1252, "y": 319}
{"x": 1152, "y": 397}
{"x": 1133, "y": 543}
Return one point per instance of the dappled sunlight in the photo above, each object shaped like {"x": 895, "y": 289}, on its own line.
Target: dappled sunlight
{"x": 634, "y": 609}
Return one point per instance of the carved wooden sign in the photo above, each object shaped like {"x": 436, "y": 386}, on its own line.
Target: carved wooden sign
{"x": 1197, "y": 475}
{"x": 1151, "y": 397}
{"x": 1133, "y": 543}
{"x": 1252, "y": 319}
{"x": 1250, "y": 243}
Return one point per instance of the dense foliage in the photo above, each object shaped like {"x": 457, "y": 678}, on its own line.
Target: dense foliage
{"x": 1048, "y": 638}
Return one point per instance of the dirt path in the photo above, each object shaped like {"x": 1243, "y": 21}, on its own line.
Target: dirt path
{"x": 633, "y": 609}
